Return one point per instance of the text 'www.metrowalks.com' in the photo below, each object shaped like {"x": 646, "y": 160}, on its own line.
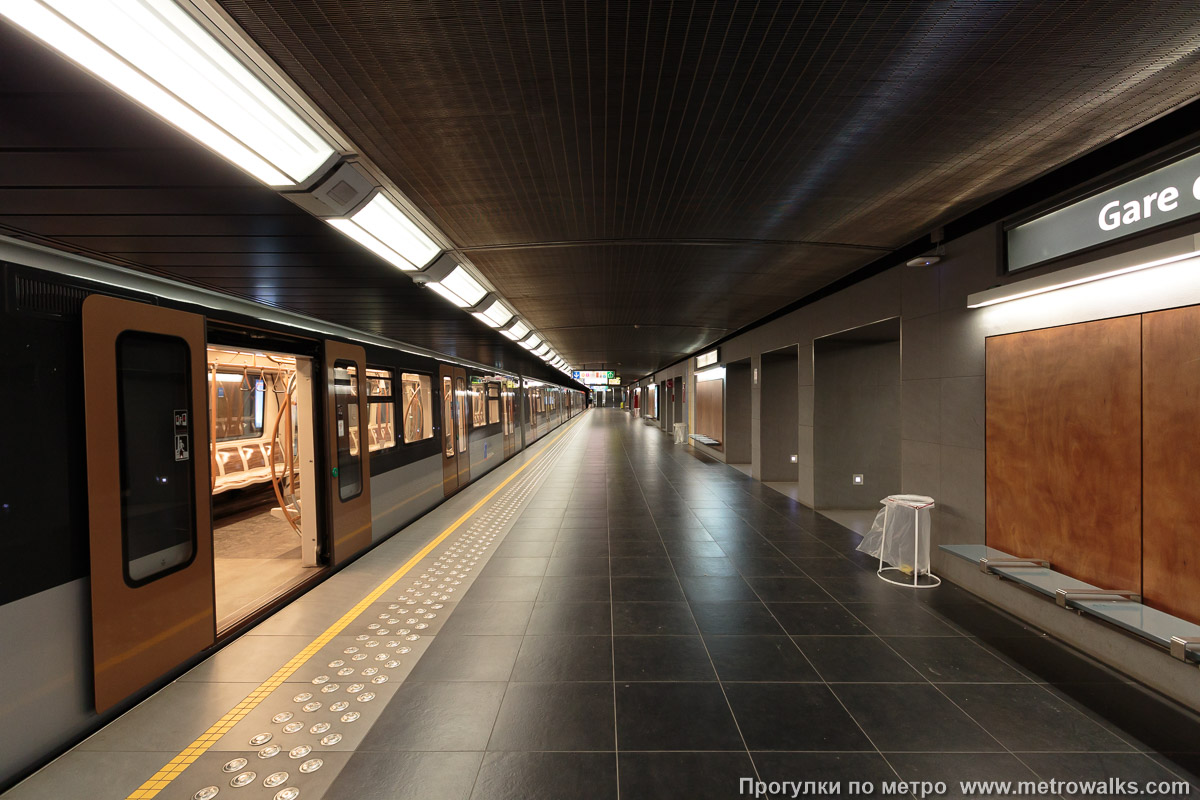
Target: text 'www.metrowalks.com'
{"x": 1109, "y": 787}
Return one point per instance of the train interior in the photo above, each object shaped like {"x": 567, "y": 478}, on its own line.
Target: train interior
{"x": 261, "y": 442}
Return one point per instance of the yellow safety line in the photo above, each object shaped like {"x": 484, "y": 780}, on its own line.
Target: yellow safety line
{"x": 161, "y": 779}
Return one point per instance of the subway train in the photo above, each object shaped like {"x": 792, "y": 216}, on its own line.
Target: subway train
{"x": 179, "y": 462}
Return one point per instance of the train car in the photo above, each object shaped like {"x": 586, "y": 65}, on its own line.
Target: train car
{"x": 179, "y": 462}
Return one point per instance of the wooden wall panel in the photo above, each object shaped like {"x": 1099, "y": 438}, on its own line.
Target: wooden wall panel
{"x": 710, "y": 410}
{"x": 1064, "y": 448}
{"x": 1171, "y": 461}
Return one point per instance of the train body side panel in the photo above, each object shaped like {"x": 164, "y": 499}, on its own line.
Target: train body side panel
{"x": 400, "y": 495}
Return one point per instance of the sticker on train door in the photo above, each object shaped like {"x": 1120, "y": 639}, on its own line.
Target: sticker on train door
{"x": 181, "y": 447}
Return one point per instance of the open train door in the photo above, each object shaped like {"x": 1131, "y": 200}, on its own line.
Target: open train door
{"x": 349, "y": 494}
{"x": 150, "y": 525}
{"x": 456, "y": 461}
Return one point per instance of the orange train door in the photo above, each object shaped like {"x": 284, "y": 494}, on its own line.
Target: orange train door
{"x": 349, "y": 486}
{"x": 149, "y": 515}
{"x": 462, "y": 395}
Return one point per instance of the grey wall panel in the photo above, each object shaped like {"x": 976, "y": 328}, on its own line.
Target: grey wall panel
{"x": 738, "y": 449}
{"x": 779, "y": 434}
{"x": 857, "y": 423}
{"x": 486, "y": 454}
{"x": 46, "y": 665}
{"x": 401, "y": 495}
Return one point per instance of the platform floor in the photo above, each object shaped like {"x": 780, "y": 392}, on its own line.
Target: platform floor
{"x": 626, "y": 618}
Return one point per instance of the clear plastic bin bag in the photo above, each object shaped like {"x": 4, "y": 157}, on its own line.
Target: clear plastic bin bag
{"x": 899, "y": 518}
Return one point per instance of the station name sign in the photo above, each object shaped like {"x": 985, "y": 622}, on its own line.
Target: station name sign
{"x": 1166, "y": 195}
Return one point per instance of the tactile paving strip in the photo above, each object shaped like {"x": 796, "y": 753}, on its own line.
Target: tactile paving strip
{"x": 296, "y": 740}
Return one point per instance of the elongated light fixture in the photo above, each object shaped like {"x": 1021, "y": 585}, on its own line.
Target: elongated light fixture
{"x": 163, "y": 58}
{"x": 492, "y": 311}
{"x": 541, "y": 351}
{"x": 533, "y": 341}
{"x": 385, "y": 230}
{"x": 516, "y": 330}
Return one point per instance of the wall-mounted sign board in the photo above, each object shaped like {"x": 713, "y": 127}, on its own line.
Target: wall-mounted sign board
{"x": 708, "y": 359}
{"x": 593, "y": 376}
{"x": 1168, "y": 194}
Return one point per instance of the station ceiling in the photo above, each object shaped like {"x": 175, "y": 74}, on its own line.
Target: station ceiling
{"x": 639, "y": 179}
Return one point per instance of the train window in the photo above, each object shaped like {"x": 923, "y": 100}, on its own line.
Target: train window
{"x": 460, "y": 389}
{"x": 493, "y": 402}
{"x": 478, "y": 408}
{"x": 238, "y": 404}
{"x": 448, "y": 416}
{"x": 418, "y": 407}
{"x": 349, "y": 456}
{"x": 157, "y": 445}
{"x": 381, "y": 409}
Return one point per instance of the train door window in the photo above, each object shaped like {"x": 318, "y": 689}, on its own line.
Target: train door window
{"x": 418, "y": 407}
{"x": 493, "y": 403}
{"x": 510, "y": 411}
{"x": 158, "y": 516}
{"x": 448, "y": 416}
{"x": 349, "y": 456}
{"x": 460, "y": 390}
{"x": 381, "y": 406}
{"x": 239, "y": 406}
{"x": 478, "y": 406}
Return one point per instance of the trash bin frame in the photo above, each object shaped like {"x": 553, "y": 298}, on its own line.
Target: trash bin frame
{"x": 888, "y": 505}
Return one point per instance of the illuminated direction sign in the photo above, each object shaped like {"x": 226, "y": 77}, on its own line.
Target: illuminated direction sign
{"x": 1165, "y": 195}
{"x": 586, "y": 376}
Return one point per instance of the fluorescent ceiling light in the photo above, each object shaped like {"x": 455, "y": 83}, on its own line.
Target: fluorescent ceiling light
{"x": 517, "y": 331}
{"x": 541, "y": 351}
{"x": 1072, "y": 276}
{"x": 385, "y": 230}
{"x": 493, "y": 312}
{"x": 459, "y": 287}
{"x": 160, "y": 56}
{"x": 533, "y": 341}
{"x": 715, "y": 373}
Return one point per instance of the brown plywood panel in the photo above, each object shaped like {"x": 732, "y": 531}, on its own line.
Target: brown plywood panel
{"x": 1064, "y": 448}
{"x": 710, "y": 410}
{"x": 1171, "y": 461}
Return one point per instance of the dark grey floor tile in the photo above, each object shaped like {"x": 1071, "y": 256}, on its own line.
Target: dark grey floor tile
{"x": 503, "y": 567}
{"x": 817, "y": 619}
{"x": 507, "y": 618}
{"x": 769, "y": 566}
{"x": 841, "y": 768}
{"x": 755, "y": 548}
{"x": 526, "y": 549}
{"x": 793, "y": 716}
{"x": 864, "y": 588}
{"x": 704, "y": 567}
{"x": 955, "y": 769}
{"x": 1026, "y": 717}
{"x": 642, "y": 533}
{"x": 661, "y": 658}
{"x": 546, "y": 776}
{"x": 645, "y": 589}
{"x": 759, "y": 658}
{"x": 437, "y": 715}
{"x": 805, "y": 548}
{"x": 577, "y": 566}
{"x": 468, "y": 658}
{"x": 944, "y": 659}
{"x": 595, "y": 534}
{"x": 623, "y": 566}
{"x": 593, "y": 548}
{"x": 574, "y": 589}
{"x": 406, "y": 776}
{"x": 528, "y": 522}
{"x": 900, "y": 619}
{"x": 771, "y": 589}
{"x": 835, "y": 567}
{"x": 685, "y": 535}
{"x": 683, "y": 776}
{"x": 593, "y": 618}
{"x": 496, "y": 589}
{"x": 636, "y": 548}
{"x": 735, "y": 618}
{"x": 693, "y": 549}
{"x": 913, "y": 718}
{"x": 674, "y": 716}
{"x": 717, "y": 590}
{"x": 555, "y": 716}
{"x": 648, "y": 619}
{"x": 1122, "y": 769}
{"x": 856, "y": 659}
{"x": 564, "y": 658}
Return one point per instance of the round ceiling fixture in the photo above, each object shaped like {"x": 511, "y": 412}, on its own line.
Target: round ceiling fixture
{"x": 924, "y": 261}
